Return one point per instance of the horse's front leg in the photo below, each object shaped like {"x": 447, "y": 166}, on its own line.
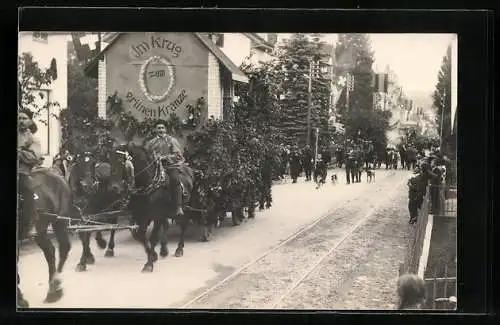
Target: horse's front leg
{"x": 140, "y": 236}
{"x": 208, "y": 219}
{"x": 110, "y": 252}
{"x": 55, "y": 291}
{"x": 101, "y": 242}
{"x": 87, "y": 256}
{"x": 180, "y": 246}
{"x": 164, "y": 239}
{"x": 111, "y": 245}
{"x": 21, "y": 302}
{"x": 62, "y": 237}
{"x": 151, "y": 250}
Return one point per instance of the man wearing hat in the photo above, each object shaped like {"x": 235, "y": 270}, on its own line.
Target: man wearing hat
{"x": 168, "y": 150}
{"x": 28, "y": 155}
{"x": 414, "y": 194}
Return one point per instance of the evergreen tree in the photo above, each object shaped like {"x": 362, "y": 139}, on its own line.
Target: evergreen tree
{"x": 354, "y": 56}
{"x": 442, "y": 96}
{"x": 82, "y": 129}
{"x": 293, "y": 66}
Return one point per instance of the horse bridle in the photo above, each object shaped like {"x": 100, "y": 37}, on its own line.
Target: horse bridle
{"x": 87, "y": 156}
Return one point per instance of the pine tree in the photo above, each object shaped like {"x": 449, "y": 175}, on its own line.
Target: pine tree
{"x": 354, "y": 56}
{"x": 442, "y": 95}
{"x": 293, "y": 65}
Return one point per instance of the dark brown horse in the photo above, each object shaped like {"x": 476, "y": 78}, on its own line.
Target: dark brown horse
{"x": 53, "y": 197}
{"x": 152, "y": 202}
{"x": 101, "y": 188}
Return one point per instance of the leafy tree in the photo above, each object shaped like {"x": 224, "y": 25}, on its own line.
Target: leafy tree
{"x": 82, "y": 129}
{"x": 82, "y": 91}
{"x": 293, "y": 66}
{"x": 442, "y": 101}
{"x": 354, "y": 51}
{"x": 369, "y": 125}
{"x": 362, "y": 122}
{"x": 31, "y": 78}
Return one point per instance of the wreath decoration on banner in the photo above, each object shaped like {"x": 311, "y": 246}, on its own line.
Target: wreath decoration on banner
{"x": 142, "y": 78}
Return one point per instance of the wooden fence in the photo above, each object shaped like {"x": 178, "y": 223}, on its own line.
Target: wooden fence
{"x": 440, "y": 201}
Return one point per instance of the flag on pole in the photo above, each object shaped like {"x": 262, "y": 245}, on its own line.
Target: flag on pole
{"x": 380, "y": 82}
{"x": 408, "y": 104}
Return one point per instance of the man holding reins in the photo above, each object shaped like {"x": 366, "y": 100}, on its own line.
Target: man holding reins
{"x": 28, "y": 156}
{"x": 168, "y": 150}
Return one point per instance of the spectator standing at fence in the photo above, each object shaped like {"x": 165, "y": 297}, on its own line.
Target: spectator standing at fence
{"x": 414, "y": 195}
{"x": 437, "y": 183}
{"x": 411, "y": 292}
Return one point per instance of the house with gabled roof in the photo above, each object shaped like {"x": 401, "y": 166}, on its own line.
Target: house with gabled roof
{"x": 158, "y": 73}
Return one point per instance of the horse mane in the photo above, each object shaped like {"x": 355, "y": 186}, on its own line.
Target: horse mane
{"x": 139, "y": 154}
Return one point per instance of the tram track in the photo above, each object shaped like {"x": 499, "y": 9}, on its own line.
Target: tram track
{"x": 311, "y": 244}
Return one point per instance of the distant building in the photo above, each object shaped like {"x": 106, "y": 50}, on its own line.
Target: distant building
{"x": 49, "y": 49}
{"x": 246, "y": 47}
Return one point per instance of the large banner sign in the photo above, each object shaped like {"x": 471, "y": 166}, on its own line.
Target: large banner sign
{"x": 157, "y": 74}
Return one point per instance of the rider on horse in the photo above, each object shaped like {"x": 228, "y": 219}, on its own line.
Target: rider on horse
{"x": 28, "y": 155}
{"x": 168, "y": 150}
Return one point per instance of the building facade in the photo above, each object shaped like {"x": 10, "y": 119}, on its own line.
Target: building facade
{"x": 49, "y": 49}
{"x": 156, "y": 74}
{"x": 246, "y": 48}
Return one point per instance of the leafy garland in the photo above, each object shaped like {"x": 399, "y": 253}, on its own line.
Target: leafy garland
{"x": 142, "y": 77}
{"x": 131, "y": 126}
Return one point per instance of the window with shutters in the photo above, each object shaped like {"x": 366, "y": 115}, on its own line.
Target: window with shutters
{"x": 41, "y": 37}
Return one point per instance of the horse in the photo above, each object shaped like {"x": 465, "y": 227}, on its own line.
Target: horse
{"x": 53, "y": 198}
{"x": 153, "y": 202}
{"x": 103, "y": 188}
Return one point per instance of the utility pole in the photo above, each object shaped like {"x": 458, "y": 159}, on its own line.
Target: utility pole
{"x": 309, "y": 104}
{"x": 316, "y": 148}
{"x": 442, "y": 121}
{"x": 348, "y": 85}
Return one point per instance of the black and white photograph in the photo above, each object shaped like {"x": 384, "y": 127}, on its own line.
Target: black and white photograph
{"x": 195, "y": 170}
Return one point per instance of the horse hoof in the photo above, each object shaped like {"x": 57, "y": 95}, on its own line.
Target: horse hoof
{"x": 154, "y": 256}
{"x": 206, "y": 238}
{"x": 54, "y": 296}
{"x": 163, "y": 252}
{"x": 179, "y": 252}
{"x": 81, "y": 268}
{"x": 148, "y": 268}
{"x": 91, "y": 260}
{"x": 101, "y": 244}
{"x": 109, "y": 253}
